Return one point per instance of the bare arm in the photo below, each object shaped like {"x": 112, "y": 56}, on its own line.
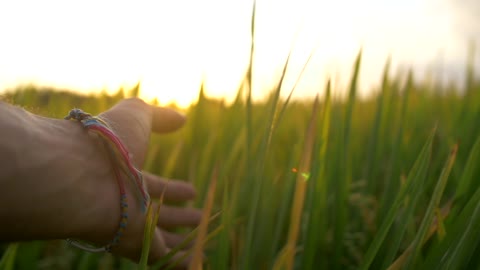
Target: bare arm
{"x": 56, "y": 180}
{"x": 43, "y": 165}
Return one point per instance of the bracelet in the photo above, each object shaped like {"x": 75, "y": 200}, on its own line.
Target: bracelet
{"x": 119, "y": 156}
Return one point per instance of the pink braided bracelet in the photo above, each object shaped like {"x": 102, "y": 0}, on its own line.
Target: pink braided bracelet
{"x": 119, "y": 155}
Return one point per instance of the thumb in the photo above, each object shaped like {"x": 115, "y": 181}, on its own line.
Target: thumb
{"x": 132, "y": 112}
{"x": 158, "y": 119}
{"x": 166, "y": 120}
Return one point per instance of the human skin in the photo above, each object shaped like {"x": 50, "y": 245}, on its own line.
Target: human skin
{"x": 56, "y": 180}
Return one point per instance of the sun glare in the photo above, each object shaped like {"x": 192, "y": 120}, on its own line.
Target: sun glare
{"x": 171, "y": 49}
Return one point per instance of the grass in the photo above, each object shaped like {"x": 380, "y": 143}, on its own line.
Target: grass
{"x": 368, "y": 203}
{"x": 386, "y": 182}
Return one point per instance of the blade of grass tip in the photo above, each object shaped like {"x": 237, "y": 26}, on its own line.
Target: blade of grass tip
{"x": 8, "y": 259}
{"x": 317, "y": 229}
{"x": 197, "y": 257}
{"x": 249, "y": 122}
{"x": 415, "y": 178}
{"x": 276, "y": 97}
{"x": 249, "y": 77}
{"x": 343, "y": 185}
{"x": 258, "y": 162}
{"x": 287, "y": 101}
{"x": 434, "y": 202}
{"x": 304, "y": 67}
{"x": 301, "y": 184}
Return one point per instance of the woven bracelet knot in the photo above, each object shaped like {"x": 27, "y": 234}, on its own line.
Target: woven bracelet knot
{"x": 77, "y": 114}
{"x": 121, "y": 164}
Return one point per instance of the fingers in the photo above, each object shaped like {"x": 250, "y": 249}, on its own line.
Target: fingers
{"x": 160, "y": 247}
{"x": 132, "y": 248}
{"x": 166, "y": 120}
{"x": 171, "y": 216}
{"x": 176, "y": 191}
{"x": 162, "y": 243}
{"x": 172, "y": 240}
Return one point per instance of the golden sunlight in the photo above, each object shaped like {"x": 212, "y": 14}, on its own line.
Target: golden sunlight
{"x": 171, "y": 47}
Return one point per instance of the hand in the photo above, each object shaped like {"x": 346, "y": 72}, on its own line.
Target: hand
{"x": 57, "y": 182}
{"x": 133, "y": 120}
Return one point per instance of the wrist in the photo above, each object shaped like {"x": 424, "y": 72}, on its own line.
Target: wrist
{"x": 58, "y": 181}
{"x": 92, "y": 192}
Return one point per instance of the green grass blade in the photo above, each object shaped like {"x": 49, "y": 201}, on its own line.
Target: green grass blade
{"x": 462, "y": 213}
{"x": 300, "y": 188}
{"x": 223, "y": 248}
{"x": 391, "y": 185}
{"x": 246, "y": 261}
{"x": 461, "y": 239}
{"x": 197, "y": 256}
{"x": 28, "y": 254}
{"x": 85, "y": 262}
{"x": 285, "y": 104}
{"x": 8, "y": 259}
{"x": 283, "y": 207}
{"x": 343, "y": 185}
{"x": 148, "y": 233}
{"x": 317, "y": 227}
{"x": 463, "y": 248}
{"x": 415, "y": 179}
{"x": 434, "y": 204}
{"x": 374, "y": 140}
{"x": 466, "y": 183}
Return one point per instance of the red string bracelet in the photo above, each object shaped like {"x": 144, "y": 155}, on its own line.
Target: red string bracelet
{"x": 121, "y": 158}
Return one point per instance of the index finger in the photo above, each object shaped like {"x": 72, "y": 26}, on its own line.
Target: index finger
{"x": 175, "y": 191}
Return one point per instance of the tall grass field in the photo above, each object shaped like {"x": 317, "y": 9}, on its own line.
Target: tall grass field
{"x": 387, "y": 182}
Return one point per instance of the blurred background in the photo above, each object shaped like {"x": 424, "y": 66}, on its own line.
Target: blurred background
{"x": 170, "y": 47}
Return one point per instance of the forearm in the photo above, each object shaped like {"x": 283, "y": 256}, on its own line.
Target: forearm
{"x": 14, "y": 124}
{"x": 48, "y": 169}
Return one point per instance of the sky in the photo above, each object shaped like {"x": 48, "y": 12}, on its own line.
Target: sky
{"x": 170, "y": 47}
